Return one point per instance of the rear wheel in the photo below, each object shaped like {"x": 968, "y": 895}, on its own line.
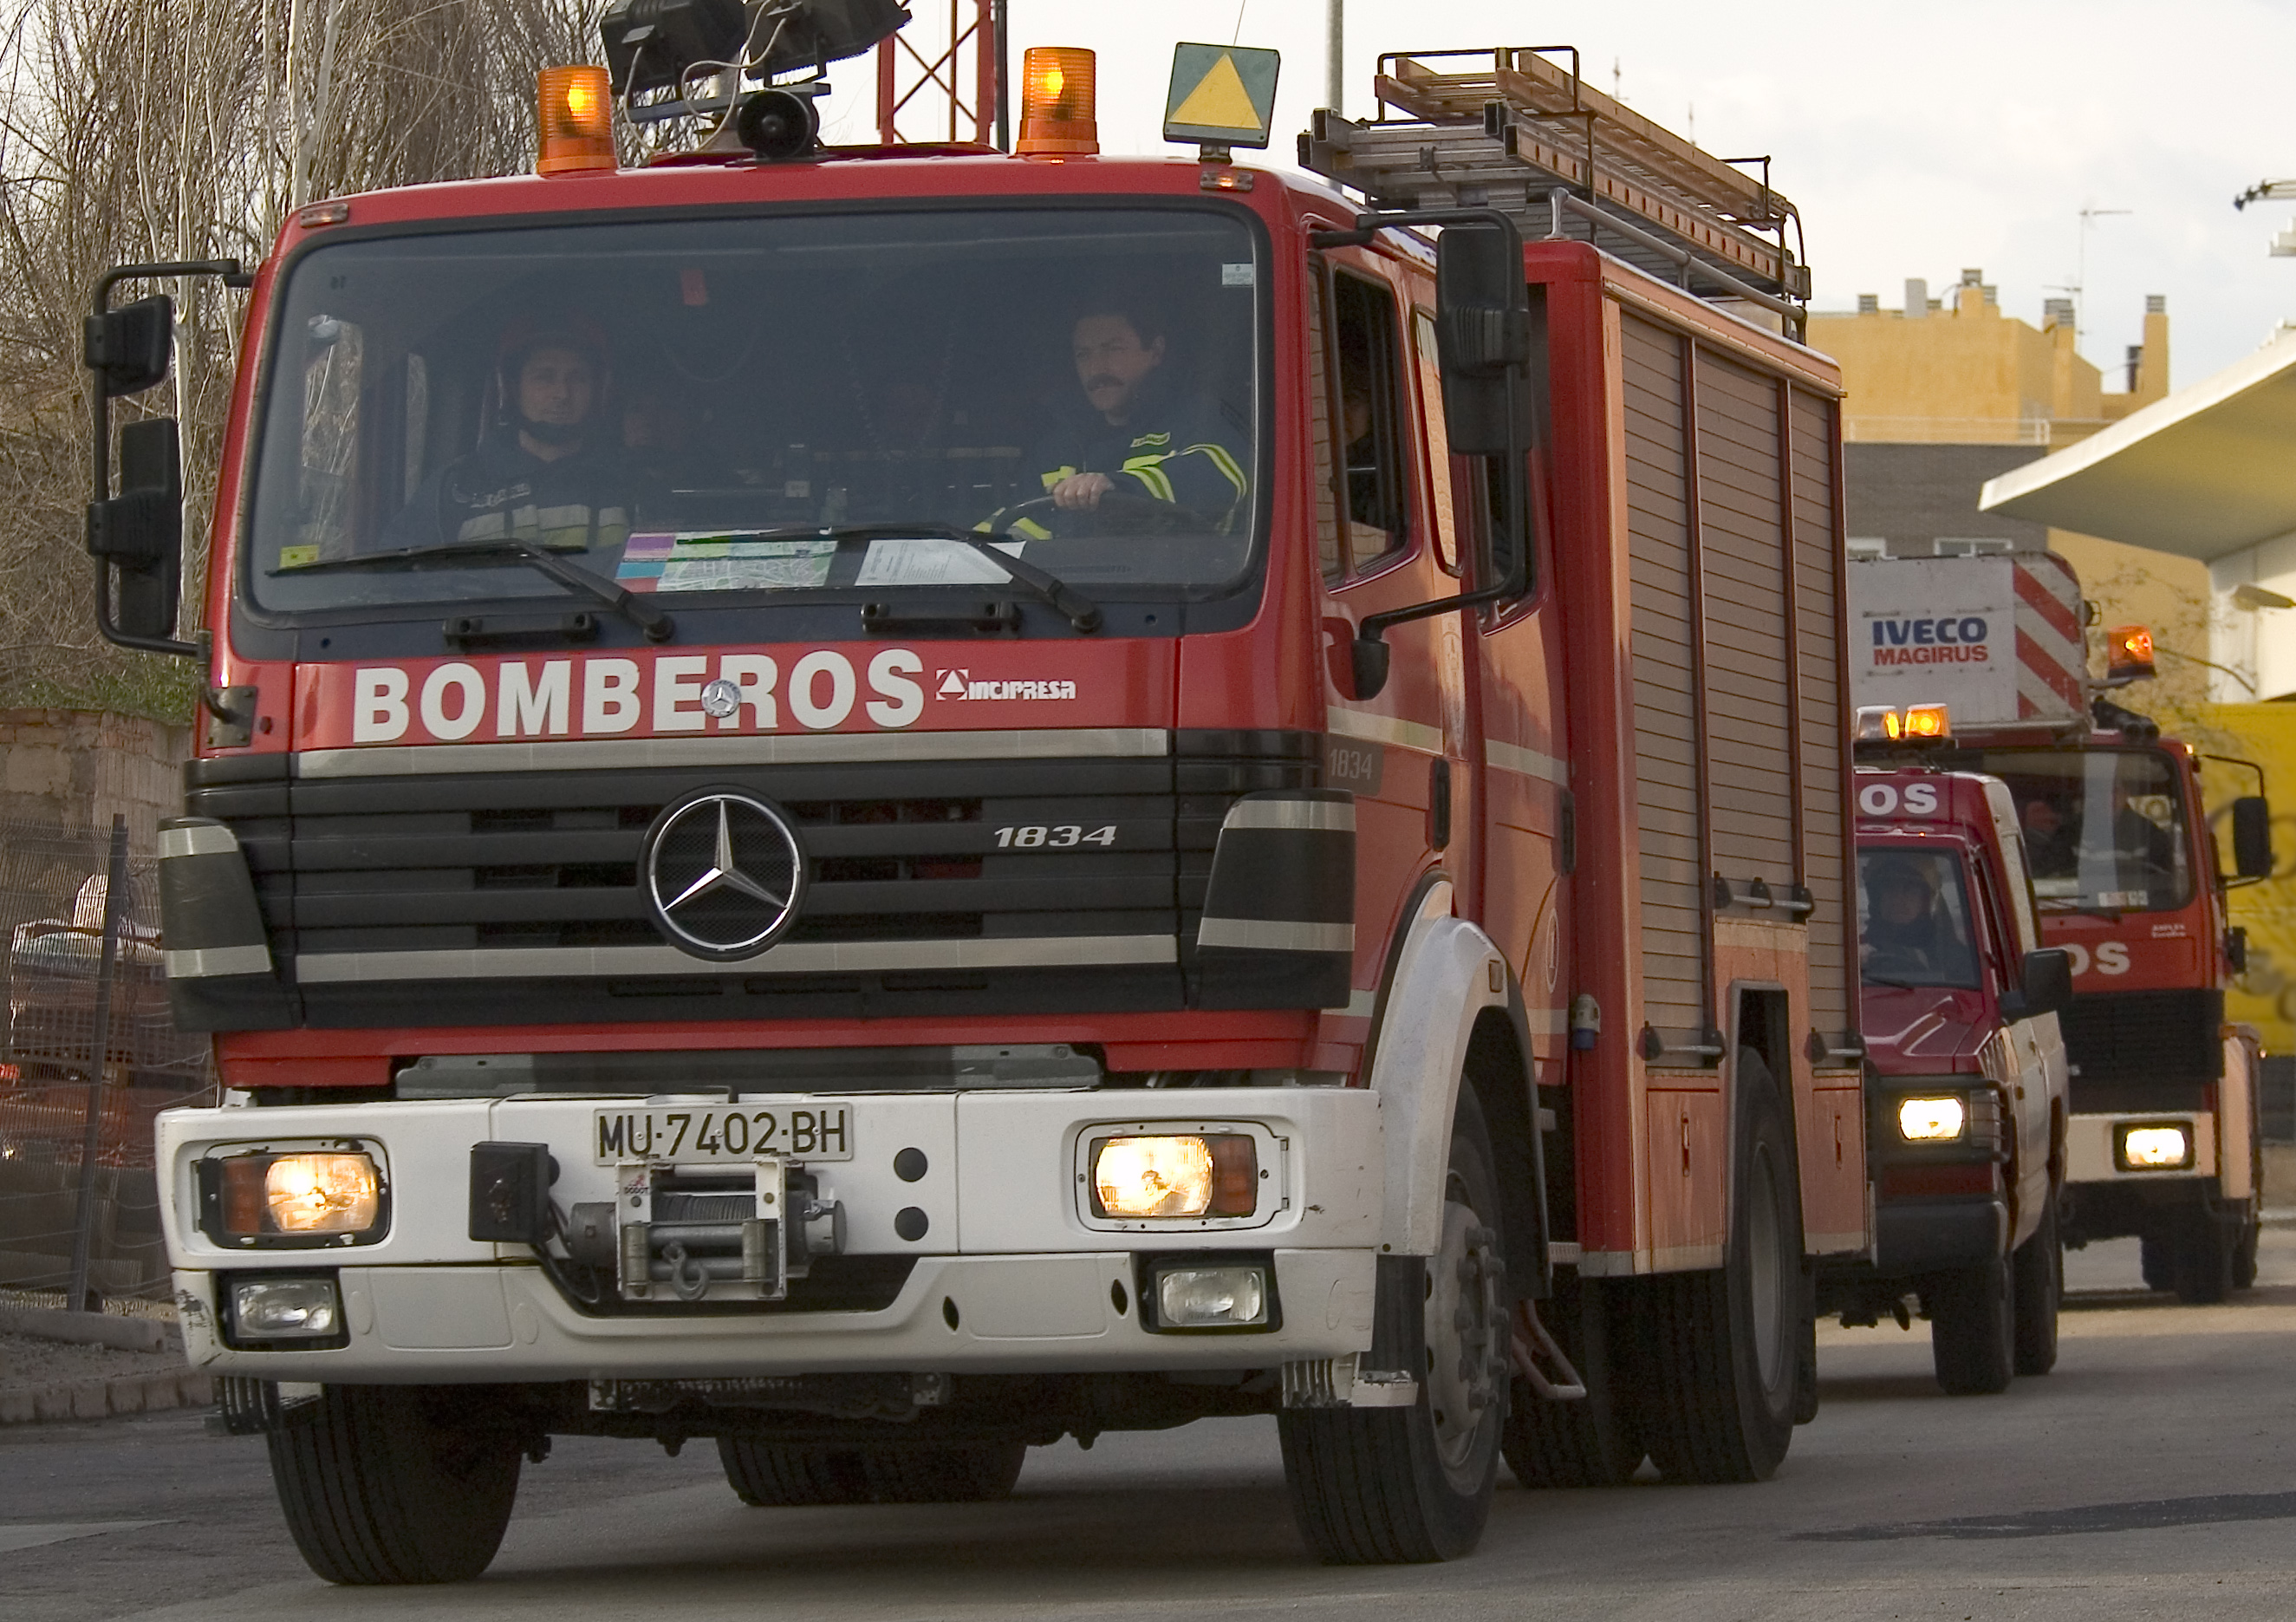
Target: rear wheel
{"x": 1385, "y": 1485}
{"x": 1724, "y": 1348}
{"x": 967, "y": 1473}
{"x": 394, "y": 1484}
{"x": 785, "y": 1475}
{"x": 1973, "y": 1328}
{"x": 779, "y": 1475}
{"x": 1590, "y": 1442}
{"x": 2038, "y": 1284}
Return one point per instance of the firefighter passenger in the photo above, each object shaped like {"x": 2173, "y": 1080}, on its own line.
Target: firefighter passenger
{"x": 547, "y": 470}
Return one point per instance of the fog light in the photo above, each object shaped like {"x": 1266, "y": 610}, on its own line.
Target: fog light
{"x": 2155, "y": 1148}
{"x": 1932, "y": 1119}
{"x": 285, "y": 1309}
{"x": 1211, "y": 1297}
{"x": 1210, "y": 1175}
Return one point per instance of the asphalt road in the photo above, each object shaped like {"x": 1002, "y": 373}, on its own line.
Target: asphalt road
{"x": 2154, "y": 1474}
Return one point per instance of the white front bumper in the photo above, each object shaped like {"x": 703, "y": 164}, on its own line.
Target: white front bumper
{"x": 1033, "y": 1282}
{"x": 2089, "y": 1139}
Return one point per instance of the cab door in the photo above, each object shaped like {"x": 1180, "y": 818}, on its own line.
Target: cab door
{"x": 1405, "y": 749}
{"x": 2036, "y": 1047}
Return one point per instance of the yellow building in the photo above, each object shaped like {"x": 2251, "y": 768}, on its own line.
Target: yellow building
{"x": 1934, "y": 371}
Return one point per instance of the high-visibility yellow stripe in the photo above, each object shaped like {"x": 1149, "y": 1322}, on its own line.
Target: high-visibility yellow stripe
{"x": 1220, "y": 459}
{"x": 1146, "y": 470}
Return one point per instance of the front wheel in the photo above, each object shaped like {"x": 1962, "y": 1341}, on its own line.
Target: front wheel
{"x": 1386, "y": 1486}
{"x": 2038, "y": 1284}
{"x": 1973, "y": 1328}
{"x": 394, "y": 1484}
{"x": 2203, "y": 1254}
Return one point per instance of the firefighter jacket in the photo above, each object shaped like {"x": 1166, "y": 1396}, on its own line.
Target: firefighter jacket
{"x": 501, "y": 491}
{"x": 1169, "y": 448}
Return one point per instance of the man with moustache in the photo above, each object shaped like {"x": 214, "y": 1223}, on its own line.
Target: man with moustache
{"x": 1139, "y": 436}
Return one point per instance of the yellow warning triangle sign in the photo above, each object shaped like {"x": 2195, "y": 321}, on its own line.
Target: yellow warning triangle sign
{"x": 1219, "y": 100}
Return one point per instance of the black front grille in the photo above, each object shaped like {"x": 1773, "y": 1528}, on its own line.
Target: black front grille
{"x": 922, "y": 851}
{"x": 2133, "y": 1050}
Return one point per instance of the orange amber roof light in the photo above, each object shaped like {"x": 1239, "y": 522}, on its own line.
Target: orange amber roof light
{"x": 1058, "y": 114}
{"x": 2128, "y": 652}
{"x": 575, "y": 118}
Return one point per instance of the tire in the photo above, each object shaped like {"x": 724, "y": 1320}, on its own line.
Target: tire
{"x": 1973, "y": 1328}
{"x": 394, "y": 1484}
{"x": 2156, "y": 1257}
{"x": 1724, "y": 1346}
{"x": 1387, "y": 1486}
{"x": 969, "y": 1472}
{"x": 779, "y": 1475}
{"x": 2036, "y": 1288}
{"x": 1588, "y": 1443}
{"x": 2244, "y": 1255}
{"x": 2200, "y": 1258}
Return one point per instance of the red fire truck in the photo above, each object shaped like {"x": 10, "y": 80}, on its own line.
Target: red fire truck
{"x": 885, "y": 803}
{"x": 2161, "y": 1143}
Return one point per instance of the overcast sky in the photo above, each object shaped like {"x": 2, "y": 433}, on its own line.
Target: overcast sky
{"x": 1914, "y": 139}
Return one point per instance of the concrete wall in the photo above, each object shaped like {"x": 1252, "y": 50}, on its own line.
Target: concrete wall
{"x": 76, "y": 767}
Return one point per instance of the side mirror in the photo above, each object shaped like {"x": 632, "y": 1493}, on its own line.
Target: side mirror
{"x": 2047, "y": 988}
{"x": 1483, "y": 332}
{"x": 129, "y": 348}
{"x": 140, "y": 532}
{"x": 2251, "y": 837}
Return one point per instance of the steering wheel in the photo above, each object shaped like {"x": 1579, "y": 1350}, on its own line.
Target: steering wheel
{"x": 1116, "y": 513}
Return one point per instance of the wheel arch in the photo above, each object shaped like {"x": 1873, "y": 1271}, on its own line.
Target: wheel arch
{"x": 1450, "y": 1000}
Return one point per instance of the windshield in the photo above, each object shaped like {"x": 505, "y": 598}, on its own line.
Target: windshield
{"x": 2104, "y": 828}
{"x": 1913, "y": 920}
{"x": 761, "y": 405}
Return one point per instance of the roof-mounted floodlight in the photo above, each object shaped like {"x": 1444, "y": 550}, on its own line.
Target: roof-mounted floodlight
{"x": 666, "y": 44}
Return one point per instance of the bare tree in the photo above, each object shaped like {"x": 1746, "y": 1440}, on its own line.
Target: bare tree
{"x": 151, "y": 130}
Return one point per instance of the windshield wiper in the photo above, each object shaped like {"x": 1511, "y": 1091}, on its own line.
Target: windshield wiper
{"x": 657, "y": 626}
{"x": 1083, "y": 614}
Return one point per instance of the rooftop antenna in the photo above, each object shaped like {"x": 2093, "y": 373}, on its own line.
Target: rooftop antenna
{"x": 2089, "y": 215}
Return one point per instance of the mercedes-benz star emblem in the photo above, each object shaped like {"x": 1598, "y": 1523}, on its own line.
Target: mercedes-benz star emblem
{"x": 723, "y": 874}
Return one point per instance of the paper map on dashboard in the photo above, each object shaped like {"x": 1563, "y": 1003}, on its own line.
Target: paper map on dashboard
{"x": 720, "y": 562}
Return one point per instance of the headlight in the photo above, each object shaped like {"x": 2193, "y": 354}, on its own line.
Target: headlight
{"x": 1939, "y": 1120}
{"x": 300, "y": 1197}
{"x": 1208, "y": 1175}
{"x": 2160, "y": 1146}
{"x": 284, "y": 1309}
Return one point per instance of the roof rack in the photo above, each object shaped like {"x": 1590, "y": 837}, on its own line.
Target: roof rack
{"x": 1507, "y": 128}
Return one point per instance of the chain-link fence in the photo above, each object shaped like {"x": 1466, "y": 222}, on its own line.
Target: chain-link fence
{"x": 57, "y": 1098}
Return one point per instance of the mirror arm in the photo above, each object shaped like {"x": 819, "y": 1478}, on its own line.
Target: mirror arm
{"x": 100, "y": 438}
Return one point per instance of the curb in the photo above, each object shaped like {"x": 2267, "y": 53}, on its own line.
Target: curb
{"x": 97, "y": 1399}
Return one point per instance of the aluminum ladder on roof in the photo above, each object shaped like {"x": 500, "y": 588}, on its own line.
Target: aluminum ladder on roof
{"x": 1507, "y": 128}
